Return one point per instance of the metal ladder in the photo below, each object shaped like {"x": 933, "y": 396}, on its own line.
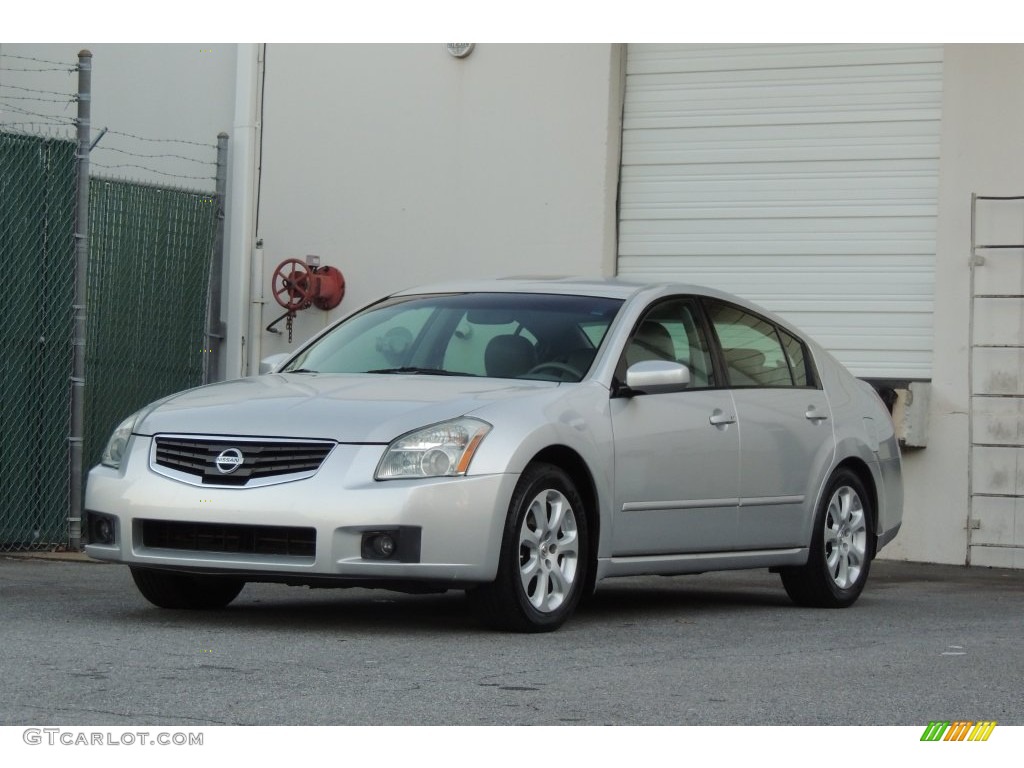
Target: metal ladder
{"x": 995, "y": 395}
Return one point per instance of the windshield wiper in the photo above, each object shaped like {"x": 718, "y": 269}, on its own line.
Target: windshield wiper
{"x": 301, "y": 370}
{"x": 427, "y": 371}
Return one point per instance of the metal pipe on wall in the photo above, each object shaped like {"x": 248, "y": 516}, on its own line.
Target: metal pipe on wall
{"x": 214, "y": 321}
{"x": 256, "y": 303}
{"x": 241, "y": 208}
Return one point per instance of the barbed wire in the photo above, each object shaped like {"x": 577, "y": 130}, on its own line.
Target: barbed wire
{"x": 62, "y": 64}
{"x": 66, "y": 100}
{"x": 37, "y": 90}
{"x": 151, "y": 157}
{"x": 151, "y": 170}
{"x": 57, "y": 121}
{"x": 36, "y": 123}
{"x": 39, "y": 69}
{"x": 30, "y": 113}
{"x": 162, "y": 141}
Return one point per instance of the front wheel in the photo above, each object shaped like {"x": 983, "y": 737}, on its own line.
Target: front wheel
{"x": 840, "y": 552}
{"x": 167, "y": 589}
{"x": 544, "y": 555}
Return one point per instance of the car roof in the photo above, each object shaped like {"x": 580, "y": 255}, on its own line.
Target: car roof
{"x": 611, "y": 287}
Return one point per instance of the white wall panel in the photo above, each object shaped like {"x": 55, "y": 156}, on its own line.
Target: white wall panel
{"x": 998, "y": 371}
{"x": 402, "y": 165}
{"x": 1001, "y": 522}
{"x": 998, "y": 470}
{"x": 999, "y": 321}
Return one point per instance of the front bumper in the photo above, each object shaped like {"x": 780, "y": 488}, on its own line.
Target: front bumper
{"x": 458, "y": 521}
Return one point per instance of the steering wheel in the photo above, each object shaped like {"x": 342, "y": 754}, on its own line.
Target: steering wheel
{"x": 560, "y": 367}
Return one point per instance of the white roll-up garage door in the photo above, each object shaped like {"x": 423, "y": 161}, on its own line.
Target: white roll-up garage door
{"x": 802, "y": 177}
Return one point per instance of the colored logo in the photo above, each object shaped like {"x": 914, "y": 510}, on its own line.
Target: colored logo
{"x": 958, "y": 730}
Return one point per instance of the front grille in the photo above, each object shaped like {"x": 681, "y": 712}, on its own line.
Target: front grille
{"x": 223, "y": 461}
{"x": 232, "y": 539}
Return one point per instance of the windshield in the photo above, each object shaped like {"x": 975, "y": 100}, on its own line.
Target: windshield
{"x": 546, "y": 337}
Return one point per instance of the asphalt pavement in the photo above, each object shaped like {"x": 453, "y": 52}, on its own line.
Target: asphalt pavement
{"x": 79, "y": 645}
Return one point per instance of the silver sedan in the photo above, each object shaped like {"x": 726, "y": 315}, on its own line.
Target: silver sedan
{"x": 520, "y": 440}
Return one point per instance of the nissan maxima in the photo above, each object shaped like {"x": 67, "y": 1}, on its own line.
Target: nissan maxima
{"x": 520, "y": 440}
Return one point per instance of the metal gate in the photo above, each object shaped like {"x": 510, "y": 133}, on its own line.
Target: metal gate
{"x": 37, "y": 198}
{"x": 996, "y": 381}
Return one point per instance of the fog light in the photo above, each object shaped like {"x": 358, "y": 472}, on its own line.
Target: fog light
{"x": 400, "y": 544}
{"x": 101, "y": 529}
{"x": 384, "y": 546}
{"x": 380, "y": 545}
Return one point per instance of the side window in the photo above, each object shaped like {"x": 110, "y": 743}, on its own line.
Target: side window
{"x": 753, "y": 352}
{"x": 671, "y": 331}
{"x": 797, "y": 359}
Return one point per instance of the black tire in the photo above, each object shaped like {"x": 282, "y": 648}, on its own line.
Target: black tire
{"x": 168, "y": 589}
{"x": 541, "y": 573}
{"x": 841, "y": 547}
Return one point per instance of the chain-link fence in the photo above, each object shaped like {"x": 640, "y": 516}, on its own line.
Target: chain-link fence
{"x": 37, "y": 199}
{"x": 124, "y": 265}
{"x": 149, "y": 264}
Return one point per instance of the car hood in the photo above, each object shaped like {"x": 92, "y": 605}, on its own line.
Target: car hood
{"x": 349, "y": 408}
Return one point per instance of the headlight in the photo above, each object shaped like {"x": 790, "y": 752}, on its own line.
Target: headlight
{"x": 114, "y": 452}
{"x": 441, "y": 450}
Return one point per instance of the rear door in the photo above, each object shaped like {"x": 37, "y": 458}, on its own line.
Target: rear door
{"x": 785, "y": 427}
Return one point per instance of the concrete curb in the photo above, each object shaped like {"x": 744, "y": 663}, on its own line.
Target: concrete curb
{"x": 71, "y": 557}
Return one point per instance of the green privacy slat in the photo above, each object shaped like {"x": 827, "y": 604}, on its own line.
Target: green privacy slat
{"x": 149, "y": 268}
{"x": 37, "y": 194}
{"x": 149, "y": 252}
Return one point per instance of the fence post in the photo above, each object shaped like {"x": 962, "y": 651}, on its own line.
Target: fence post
{"x": 78, "y": 309}
{"x": 214, "y": 324}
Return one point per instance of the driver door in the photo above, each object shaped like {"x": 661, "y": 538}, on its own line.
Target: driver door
{"x": 676, "y": 453}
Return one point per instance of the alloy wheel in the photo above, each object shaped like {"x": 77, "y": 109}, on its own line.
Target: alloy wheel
{"x": 845, "y": 533}
{"x": 548, "y": 550}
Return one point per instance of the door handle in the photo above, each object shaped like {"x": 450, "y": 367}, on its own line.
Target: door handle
{"x": 814, "y": 416}
{"x": 719, "y": 419}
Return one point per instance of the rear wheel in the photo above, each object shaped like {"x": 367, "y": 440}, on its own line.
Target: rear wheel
{"x": 544, "y": 556}
{"x": 168, "y": 589}
{"x": 840, "y": 553}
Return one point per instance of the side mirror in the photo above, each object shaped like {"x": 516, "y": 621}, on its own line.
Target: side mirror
{"x": 650, "y": 377}
{"x": 273, "y": 362}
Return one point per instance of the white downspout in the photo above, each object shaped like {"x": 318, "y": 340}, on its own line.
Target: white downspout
{"x": 241, "y": 208}
{"x": 254, "y": 348}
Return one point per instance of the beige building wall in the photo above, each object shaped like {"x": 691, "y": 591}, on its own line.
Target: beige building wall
{"x": 400, "y": 164}
{"x": 982, "y": 152}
